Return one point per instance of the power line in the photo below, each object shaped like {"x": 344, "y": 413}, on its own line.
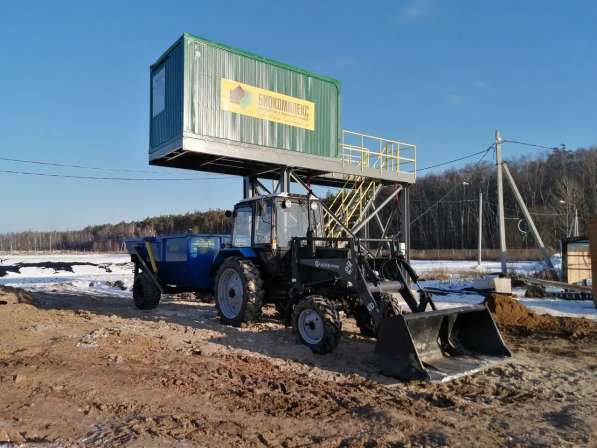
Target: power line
{"x": 534, "y": 145}
{"x": 485, "y": 152}
{"x": 70, "y": 176}
{"x": 456, "y": 160}
{"x": 455, "y": 201}
{"x": 65, "y": 165}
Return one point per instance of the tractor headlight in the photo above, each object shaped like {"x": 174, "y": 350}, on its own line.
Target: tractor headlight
{"x": 287, "y": 203}
{"x": 314, "y": 206}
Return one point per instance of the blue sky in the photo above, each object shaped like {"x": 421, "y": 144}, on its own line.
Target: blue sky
{"x": 443, "y": 75}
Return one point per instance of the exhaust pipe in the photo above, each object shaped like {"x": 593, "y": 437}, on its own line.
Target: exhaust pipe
{"x": 440, "y": 345}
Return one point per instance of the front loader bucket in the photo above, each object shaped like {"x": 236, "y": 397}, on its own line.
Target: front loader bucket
{"x": 439, "y": 345}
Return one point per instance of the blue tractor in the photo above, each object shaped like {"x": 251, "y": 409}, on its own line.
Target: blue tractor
{"x": 278, "y": 253}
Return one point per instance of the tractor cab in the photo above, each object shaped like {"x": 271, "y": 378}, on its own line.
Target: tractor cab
{"x": 270, "y": 222}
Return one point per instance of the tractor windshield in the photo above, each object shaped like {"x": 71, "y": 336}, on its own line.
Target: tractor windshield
{"x": 293, "y": 221}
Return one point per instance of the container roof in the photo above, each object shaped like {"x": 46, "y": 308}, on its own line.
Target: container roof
{"x": 250, "y": 55}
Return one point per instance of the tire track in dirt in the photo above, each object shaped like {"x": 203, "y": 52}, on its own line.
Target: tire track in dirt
{"x": 94, "y": 371}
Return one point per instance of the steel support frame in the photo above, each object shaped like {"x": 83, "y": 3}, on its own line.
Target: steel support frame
{"x": 252, "y": 187}
{"x": 298, "y": 180}
{"x": 376, "y": 210}
{"x": 370, "y": 203}
{"x": 249, "y": 187}
{"x": 384, "y": 228}
{"x": 405, "y": 219}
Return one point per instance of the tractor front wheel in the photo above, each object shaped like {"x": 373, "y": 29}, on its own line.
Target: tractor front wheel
{"x": 238, "y": 292}
{"x": 317, "y": 324}
{"x": 389, "y": 307}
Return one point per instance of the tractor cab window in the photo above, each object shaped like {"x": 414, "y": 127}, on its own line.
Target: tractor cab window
{"x": 293, "y": 221}
{"x": 317, "y": 219}
{"x": 243, "y": 221}
{"x": 263, "y": 223}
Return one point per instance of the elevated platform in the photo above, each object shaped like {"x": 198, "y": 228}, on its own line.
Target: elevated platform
{"x": 362, "y": 155}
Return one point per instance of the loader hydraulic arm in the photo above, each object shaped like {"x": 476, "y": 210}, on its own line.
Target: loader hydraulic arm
{"x": 424, "y": 296}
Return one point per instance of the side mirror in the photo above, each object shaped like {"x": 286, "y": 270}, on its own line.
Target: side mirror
{"x": 228, "y": 214}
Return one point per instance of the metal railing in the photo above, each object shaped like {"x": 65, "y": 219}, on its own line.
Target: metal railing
{"x": 368, "y": 152}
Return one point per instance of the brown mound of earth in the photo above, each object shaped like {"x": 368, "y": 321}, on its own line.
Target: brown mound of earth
{"x": 512, "y": 316}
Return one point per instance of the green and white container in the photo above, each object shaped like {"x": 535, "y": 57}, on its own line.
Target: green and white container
{"x": 205, "y": 95}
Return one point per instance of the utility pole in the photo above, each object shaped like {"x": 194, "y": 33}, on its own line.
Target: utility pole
{"x": 480, "y": 226}
{"x": 500, "y": 189}
{"x": 576, "y": 232}
{"x": 462, "y": 208}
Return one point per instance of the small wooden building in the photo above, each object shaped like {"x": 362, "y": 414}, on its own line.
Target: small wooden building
{"x": 576, "y": 260}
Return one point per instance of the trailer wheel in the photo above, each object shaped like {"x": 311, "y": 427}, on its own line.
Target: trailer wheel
{"x": 317, "y": 324}
{"x": 238, "y": 292}
{"x": 145, "y": 293}
{"x": 389, "y": 307}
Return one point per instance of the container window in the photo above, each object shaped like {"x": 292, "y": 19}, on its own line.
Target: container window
{"x": 176, "y": 249}
{"x": 158, "y": 92}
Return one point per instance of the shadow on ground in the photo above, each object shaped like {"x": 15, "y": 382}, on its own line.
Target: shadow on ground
{"x": 354, "y": 355}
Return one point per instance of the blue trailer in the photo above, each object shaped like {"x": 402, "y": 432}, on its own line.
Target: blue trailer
{"x": 179, "y": 263}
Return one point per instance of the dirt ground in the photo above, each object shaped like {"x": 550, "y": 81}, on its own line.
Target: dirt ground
{"x": 85, "y": 370}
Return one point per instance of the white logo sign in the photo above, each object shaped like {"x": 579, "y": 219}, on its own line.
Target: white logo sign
{"x": 348, "y": 267}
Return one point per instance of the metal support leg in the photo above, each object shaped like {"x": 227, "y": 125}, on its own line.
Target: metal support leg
{"x": 250, "y": 187}
{"x": 405, "y": 217}
{"x": 284, "y": 182}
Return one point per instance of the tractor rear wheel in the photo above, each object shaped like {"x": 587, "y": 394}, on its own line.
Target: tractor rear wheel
{"x": 238, "y": 292}
{"x": 317, "y": 324}
{"x": 146, "y": 294}
{"x": 389, "y": 306}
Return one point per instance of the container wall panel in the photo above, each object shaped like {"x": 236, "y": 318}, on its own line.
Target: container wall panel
{"x": 166, "y": 98}
{"x": 206, "y": 64}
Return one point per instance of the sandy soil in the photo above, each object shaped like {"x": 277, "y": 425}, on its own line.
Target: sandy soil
{"x": 85, "y": 370}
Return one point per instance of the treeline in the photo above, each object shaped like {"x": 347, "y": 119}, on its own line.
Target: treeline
{"x": 444, "y": 209}
{"x": 555, "y": 187}
{"x": 110, "y": 237}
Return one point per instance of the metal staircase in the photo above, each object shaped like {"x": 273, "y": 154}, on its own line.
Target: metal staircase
{"x": 365, "y": 153}
{"x": 351, "y": 203}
